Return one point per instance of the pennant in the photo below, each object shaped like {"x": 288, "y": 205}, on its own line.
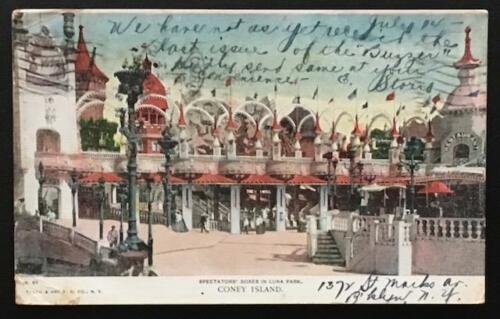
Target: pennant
{"x": 365, "y": 106}
{"x": 436, "y": 99}
{"x": 474, "y": 94}
{"x": 134, "y": 49}
{"x": 315, "y": 94}
{"x": 255, "y": 96}
{"x": 227, "y": 81}
{"x": 391, "y": 96}
{"x": 178, "y": 78}
{"x": 353, "y": 94}
{"x": 213, "y": 92}
{"x": 331, "y": 100}
{"x": 275, "y": 88}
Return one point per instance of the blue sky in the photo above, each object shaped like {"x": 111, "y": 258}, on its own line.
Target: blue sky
{"x": 387, "y": 28}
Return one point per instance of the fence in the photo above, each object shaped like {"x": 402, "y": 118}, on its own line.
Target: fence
{"x": 450, "y": 228}
{"x": 156, "y": 218}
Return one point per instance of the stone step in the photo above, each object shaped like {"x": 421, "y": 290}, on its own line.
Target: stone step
{"x": 323, "y": 251}
{"x": 328, "y": 253}
{"x": 328, "y": 246}
{"x": 329, "y": 262}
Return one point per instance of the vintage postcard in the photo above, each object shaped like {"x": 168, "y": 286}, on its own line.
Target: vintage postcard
{"x": 225, "y": 156}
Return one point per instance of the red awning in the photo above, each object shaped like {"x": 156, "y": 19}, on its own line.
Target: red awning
{"x": 305, "y": 180}
{"x": 255, "y": 179}
{"x": 435, "y": 188}
{"x": 213, "y": 179}
{"x": 108, "y": 178}
{"x": 341, "y": 179}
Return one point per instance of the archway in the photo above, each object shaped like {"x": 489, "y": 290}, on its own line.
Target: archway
{"x": 461, "y": 153}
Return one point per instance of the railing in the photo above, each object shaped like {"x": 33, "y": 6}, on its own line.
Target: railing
{"x": 57, "y": 231}
{"x": 451, "y": 228}
{"x": 340, "y": 223}
{"x": 384, "y": 234}
{"x": 85, "y": 243}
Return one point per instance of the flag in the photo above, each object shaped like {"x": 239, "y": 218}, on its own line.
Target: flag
{"x": 315, "y": 94}
{"x": 178, "y": 78}
{"x": 436, "y": 99}
{"x": 353, "y": 94}
{"x": 275, "y": 88}
{"x": 227, "y": 81}
{"x": 474, "y": 94}
{"x": 213, "y": 92}
{"x": 403, "y": 107}
{"x": 365, "y": 106}
{"x": 255, "y": 95}
{"x": 434, "y": 108}
{"x": 134, "y": 49}
{"x": 390, "y": 96}
{"x": 296, "y": 100}
{"x": 331, "y": 100}
{"x": 398, "y": 111}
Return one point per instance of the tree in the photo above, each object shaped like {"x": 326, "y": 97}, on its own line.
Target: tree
{"x": 98, "y": 135}
{"x": 383, "y": 141}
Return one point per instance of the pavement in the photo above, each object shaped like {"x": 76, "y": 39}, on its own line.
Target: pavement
{"x": 220, "y": 253}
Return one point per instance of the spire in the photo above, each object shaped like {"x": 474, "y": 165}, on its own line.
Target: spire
{"x": 467, "y": 60}
{"x": 333, "y": 135}
{"x": 276, "y": 126}
{"x": 317, "y": 128}
{"x": 429, "y": 136}
{"x": 394, "y": 130}
{"x": 182, "y": 121}
{"x": 356, "y": 131}
{"x": 85, "y": 63}
{"x": 146, "y": 64}
{"x": 230, "y": 123}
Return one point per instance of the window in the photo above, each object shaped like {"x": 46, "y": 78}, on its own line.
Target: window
{"x": 461, "y": 152}
{"x": 47, "y": 141}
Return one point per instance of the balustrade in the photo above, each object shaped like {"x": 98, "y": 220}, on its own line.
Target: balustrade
{"x": 451, "y": 228}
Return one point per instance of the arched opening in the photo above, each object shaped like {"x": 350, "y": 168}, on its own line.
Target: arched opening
{"x": 48, "y": 141}
{"x": 51, "y": 195}
{"x": 461, "y": 153}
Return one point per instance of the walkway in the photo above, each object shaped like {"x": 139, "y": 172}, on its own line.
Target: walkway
{"x": 220, "y": 253}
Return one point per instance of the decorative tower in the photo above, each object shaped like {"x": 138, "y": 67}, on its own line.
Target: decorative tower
{"x": 463, "y": 129}
{"x": 183, "y": 144}
{"x": 276, "y": 147}
{"x": 318, "y": 143}
{"x": 394, "y": 150}
{"x": 231, "y": 127}
{"x": 355, "y": 140}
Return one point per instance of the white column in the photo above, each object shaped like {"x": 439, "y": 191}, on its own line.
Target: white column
{"x": 187, "y": 205}
{"x": 281, "y": 208}
{"x": 113, "y": 194}
{"x": 235, "y": 209}
{"x": 65, "y": 200}
{"x": 323, "y": 207}
{"x": 30, "y": 191}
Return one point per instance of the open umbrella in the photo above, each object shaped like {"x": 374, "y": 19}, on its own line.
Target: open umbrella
{"x": 435, "y": 188}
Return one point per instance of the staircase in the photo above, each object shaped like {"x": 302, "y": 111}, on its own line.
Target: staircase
{"x": 327, "y": 252}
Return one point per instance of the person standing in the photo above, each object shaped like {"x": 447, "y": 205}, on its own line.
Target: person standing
{"x": 113, "y": 237}
{"x": 204, "y": 222}
{"x": 246, "y": 224}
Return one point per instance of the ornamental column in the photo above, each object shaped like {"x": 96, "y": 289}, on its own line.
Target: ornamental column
{"x": 323, "y": 207}
{"x": 281, "y": 211}
{"x": 187, "y": 205}
{"x": 235, "y": 209}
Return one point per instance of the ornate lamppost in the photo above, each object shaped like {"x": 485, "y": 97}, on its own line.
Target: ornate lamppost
{"x": 131, "y": 85}
{"x": 149, "y": 188}
{"x": 412, "y": 166}
{"x": 73, "y": 184}
{"x": 332, "y": 162}
{"x": 101, "y": 194}
{"x": 41, "y": 181}
{"x": 122, "y": 189}
{"x": 168, "y": 147}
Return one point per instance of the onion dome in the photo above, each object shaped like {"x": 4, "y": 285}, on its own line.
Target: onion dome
{"x": 182, "y": 121}
{"x": 153, "y": 87}
{"x": 317, "y": 128}
{"x": 276, "y": 127}
{"x": 231, "y": 125}
{"x": 84, "y": 63}
{"x": 356, "y": 131}
{"x": 429, "y": 136}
